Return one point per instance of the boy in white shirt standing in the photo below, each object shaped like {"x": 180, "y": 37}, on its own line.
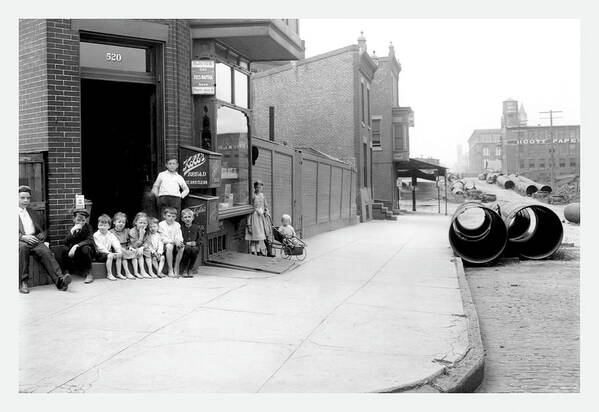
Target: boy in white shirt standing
{"x": 108, "y": 247}
{"x": 170, "y": 187}
{"x": 172, "y": 237}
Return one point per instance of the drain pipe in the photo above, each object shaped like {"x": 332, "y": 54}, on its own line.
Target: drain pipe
{"x": 477, "y": 239}
{"x": 534, "y": 230}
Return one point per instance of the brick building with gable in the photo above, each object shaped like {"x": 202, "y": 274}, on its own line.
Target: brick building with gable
{"x": 322, "y": 102}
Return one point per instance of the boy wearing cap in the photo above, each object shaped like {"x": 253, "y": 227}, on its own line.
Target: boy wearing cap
{"x": 77, "y": 250}
{"x": 31, "y": 241}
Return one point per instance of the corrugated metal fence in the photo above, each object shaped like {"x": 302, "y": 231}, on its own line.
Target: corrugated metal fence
{"x": 318, "y": 192}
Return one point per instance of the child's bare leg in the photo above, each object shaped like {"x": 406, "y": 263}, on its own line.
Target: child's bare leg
{"x": 178, "y": 259}
{"x": 149, "y": 265}
{"x": 128, "y": 274}
{"x": 135, "y": 268}
{"x": 161, "y": 266}
{"x": 109, "y": 260}
{"x": 142, "y": 268}
{"x": 169, "y": 258}
{"x": 119, "y": 264}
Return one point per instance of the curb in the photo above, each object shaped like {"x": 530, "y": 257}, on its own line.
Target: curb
{"x": 466, "y": 374}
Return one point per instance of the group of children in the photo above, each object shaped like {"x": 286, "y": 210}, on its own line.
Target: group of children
{"x": 147, "y": 245}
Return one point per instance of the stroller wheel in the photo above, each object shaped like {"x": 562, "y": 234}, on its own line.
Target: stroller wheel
{"x": 303, "y": 255}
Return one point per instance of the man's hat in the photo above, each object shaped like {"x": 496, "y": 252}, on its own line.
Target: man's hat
{"x": 24, "y": 188}
{"x": 83, "y": 212}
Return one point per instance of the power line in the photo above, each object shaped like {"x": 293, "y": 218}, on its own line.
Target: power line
{"x": 552, "y": 147}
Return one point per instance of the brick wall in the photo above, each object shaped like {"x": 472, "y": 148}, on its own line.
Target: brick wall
{"x": 314, "y": 104}
{"x": 33, "y": 87}
{"x": 64, "y": 123}
{"x": 178, "y": 86}
{"x": 382, "y": 102}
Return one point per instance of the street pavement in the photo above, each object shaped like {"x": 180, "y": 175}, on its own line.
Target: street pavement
{"x": 375, "y": 307}
{"x": 529, "y": 314}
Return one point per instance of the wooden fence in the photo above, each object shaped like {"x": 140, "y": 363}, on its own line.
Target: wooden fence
{"x": 318, "y": 192}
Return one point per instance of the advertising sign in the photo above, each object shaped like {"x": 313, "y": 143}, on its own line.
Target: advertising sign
{"x": 200, "y": 168}
{"x": 203, "y": 77}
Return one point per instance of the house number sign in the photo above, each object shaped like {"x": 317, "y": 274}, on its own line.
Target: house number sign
{"x": 114, "y": 57}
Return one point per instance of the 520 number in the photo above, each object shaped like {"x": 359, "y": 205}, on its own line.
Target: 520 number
{"x": 114, "y": 57}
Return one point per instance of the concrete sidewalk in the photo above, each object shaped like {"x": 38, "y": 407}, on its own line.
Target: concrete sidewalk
{"x": 375, "y": 307}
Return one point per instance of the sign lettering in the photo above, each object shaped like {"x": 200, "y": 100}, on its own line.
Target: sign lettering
{"x": 203, "y": 77}
{"x": 192, "y": 163}
{"x": 542, "y": 141}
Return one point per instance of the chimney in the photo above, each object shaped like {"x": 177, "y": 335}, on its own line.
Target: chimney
{"x": 362, "y": 43}
{"x": 391, "y": 49}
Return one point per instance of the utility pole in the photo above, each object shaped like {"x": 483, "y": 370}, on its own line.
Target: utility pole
{"x": 552, "y": 147}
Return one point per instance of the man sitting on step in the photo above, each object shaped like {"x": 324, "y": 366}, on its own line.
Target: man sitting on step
{"x": 31, "y": 241}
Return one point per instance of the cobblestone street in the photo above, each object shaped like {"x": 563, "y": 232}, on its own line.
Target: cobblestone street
{"x": 529, "y": 319}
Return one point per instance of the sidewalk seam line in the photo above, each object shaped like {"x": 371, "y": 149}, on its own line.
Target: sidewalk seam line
{"x": 142, "y": 339}
{"x": 328, "y": 315}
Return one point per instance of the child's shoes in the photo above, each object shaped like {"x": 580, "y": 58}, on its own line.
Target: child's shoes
{"x": 110, "y": 277}
{"x": 119, "y": 276}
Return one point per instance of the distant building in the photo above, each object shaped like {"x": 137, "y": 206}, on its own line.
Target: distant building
{"x": 525, "y": 150}
{"x": 323, "y": 102}
{"x": 484, "y": 150}
{"x": 390, "y": 129}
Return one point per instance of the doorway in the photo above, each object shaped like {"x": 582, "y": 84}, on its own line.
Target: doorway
{"x": 118, "y": 146}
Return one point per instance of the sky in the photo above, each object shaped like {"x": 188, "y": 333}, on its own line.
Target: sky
{"x": 457, "y": 72}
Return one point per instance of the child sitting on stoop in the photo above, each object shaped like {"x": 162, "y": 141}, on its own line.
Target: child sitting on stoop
{"x": 108, "y": 248}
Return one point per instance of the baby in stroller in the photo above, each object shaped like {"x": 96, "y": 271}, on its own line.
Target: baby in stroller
{"x": 288, "y": 242}
{"x": 288, "y": 232}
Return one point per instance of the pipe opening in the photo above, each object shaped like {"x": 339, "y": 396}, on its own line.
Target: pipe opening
{"x": 535, "y": 230}
{"x": 477, "y": 234}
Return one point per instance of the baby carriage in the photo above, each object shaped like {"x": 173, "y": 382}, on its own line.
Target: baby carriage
{"x": 289, "y": 246}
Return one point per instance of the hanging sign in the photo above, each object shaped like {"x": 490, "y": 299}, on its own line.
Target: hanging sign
{"x": 203, "y": 77}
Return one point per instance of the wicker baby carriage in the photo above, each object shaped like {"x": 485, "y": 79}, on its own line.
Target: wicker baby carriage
{"x": 290, "y": 246}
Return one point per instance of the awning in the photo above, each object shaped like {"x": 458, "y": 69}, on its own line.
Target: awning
{"x": 419, "y": 168}
{"x": 415, "y": 168}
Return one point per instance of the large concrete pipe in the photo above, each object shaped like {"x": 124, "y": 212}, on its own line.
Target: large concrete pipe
{"x": 572, "y": 212}
{"x": 469, "y": 185}
{"x": 492, "y": 177}
{"x": 505, "y": 182}
{"x": 537, "y": 185}
{"x": 534, "y": 230}
{"x": 457, "y": 188}
{"x": 526, "y": 188}
{"x": 477, "y": 233}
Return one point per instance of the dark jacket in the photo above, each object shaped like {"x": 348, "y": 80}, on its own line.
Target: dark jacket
{"x": 40, "y": 233}
{"x": 82, "y": 237}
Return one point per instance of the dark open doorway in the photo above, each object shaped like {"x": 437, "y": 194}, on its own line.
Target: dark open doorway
{"x": 118, "y": 145}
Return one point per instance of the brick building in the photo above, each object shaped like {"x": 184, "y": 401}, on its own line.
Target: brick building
{"x": 104, "y": 103}
{"x": 484, "y": 150}
{"x": 323, "y": 102}
{"x": 525, "y": 150}
{"x": 390, "y": 129}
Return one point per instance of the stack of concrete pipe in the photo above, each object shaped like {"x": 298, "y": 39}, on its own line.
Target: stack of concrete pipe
{"x": 528, "y": 187}
{"x": 505, "y": 182}
{"x": 526, "y": 229}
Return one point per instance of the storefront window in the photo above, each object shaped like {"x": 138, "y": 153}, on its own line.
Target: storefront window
{"x": 241, "y": 89}
{"x": 232, "y": 142}
{"x": 223, "y": 82}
